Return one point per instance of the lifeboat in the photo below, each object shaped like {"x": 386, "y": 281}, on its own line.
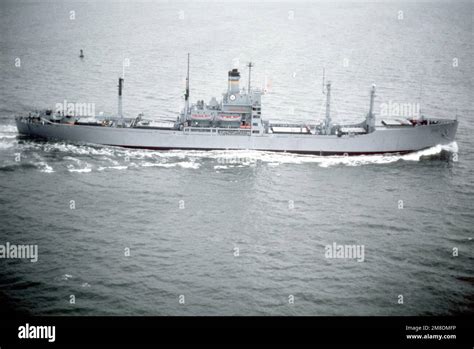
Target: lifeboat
{"x": 229, "y": 117}
{"x": 201, "y": 117}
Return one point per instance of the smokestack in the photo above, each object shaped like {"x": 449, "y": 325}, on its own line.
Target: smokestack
{"x": 234, "y": 78}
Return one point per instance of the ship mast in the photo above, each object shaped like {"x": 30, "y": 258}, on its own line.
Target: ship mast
{"x": 370, "y": 116}
{"x": 327, "y": 121}
{"x": 250, "y": 65}
{"x": 186, "y": 95}
{"x": 120, "y": 114}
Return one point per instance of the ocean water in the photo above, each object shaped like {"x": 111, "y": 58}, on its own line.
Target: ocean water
{"x": 236, "y": 232}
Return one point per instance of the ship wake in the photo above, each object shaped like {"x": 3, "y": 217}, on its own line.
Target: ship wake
{"x": 81, "y": 159}
{"x": 229, "y": 159}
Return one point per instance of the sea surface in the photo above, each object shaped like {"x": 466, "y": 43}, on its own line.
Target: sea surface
{"x": 130, "y": 232}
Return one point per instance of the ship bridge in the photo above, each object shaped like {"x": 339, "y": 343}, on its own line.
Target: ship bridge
{"x": 238, "y": 108}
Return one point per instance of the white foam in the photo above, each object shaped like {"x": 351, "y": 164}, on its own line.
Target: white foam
{"x": 77, "y": 149}
{"x": 165, "y": 165}
{"x": 86, "y": 169}
{"x": 112, "y": 168}
{"x": 115, "y": 163}
{"x": 66, "y": 277}
{"x": 80, "y": 170}
{"x": 157, "y": 164}
{"x": 224, "y": 158}
{"x": 183, "y": 164}
{"x": 275, "y": 159}
{"x": 189, "y": 164}
{"x": 71, "y": 159}
{"x": 6, "y": 145}
{"x": 241, "y": 158}
{"x": 45, "y": 168}
{"x": 8, "y": 129}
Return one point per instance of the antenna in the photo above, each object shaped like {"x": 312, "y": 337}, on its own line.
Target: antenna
{"x": 250, "y": 65}
{"x": 186, "y": 95}
{"x": 420, "y": 98}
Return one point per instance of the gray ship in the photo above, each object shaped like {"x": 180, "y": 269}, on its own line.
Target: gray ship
{"x": 235, "y": 122}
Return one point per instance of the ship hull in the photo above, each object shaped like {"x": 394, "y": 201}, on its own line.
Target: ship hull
{"x": 382, "y": 140}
